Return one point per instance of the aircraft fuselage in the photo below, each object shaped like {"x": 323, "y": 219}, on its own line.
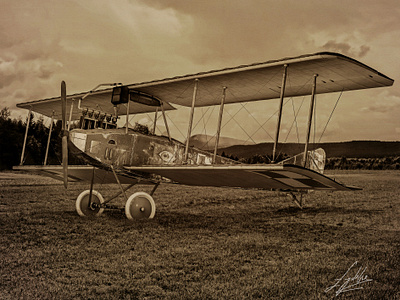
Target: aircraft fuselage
{"x": 117, "y": 148}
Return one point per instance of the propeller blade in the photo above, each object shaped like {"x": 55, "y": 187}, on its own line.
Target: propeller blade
{"x": 65, "y": 133}
{"x": 63, "y": 105}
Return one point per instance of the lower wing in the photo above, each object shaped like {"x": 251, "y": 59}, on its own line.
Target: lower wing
{"x": 78, "y": 173}
{"x": 268, "y": 177}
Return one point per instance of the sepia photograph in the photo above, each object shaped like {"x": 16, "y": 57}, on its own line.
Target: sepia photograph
{"x": 172, "y": 149}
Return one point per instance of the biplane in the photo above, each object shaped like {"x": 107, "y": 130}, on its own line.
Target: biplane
{"x": 119, "y": 154}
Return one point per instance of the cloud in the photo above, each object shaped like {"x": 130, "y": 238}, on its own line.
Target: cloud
{"x": 26, "y": 72}
{"x": 93, "y": 41}
{"x": 28, "y": 53}
{"x": 386, "y": 103}
{"x": 346, "y": 48}
{"x": 8, "y": 72}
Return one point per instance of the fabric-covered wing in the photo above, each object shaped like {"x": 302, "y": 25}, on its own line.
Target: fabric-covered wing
{"x": 263, "y": 81}
{"x": 100, "y": 100}
{"x": 260, "y": 81}
{"x": 76, "y": 173}
{"x": 268, "y": 177}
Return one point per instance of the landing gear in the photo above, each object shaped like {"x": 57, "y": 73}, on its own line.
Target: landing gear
{"x": 140, "y": 206}
{"x": 88, "y": 204}
{"x": 298, "y": 199}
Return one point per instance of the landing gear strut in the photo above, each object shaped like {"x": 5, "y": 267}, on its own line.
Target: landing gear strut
{"x": 298, "y": 199}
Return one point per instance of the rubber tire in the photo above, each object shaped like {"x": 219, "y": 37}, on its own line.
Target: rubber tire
{"x": 140, "y": 205}
{"x": 82, "y": 204}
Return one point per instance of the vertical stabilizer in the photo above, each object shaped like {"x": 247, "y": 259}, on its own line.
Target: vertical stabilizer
{"x": 315, "y": 160}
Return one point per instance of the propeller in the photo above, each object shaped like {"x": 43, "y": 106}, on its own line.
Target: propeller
{"x": 65, "y": 133}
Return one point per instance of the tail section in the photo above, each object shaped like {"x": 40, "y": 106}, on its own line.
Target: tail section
{"x": 315, "y": 160}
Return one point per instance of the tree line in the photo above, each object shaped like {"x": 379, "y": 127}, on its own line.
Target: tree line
{"x": 380, "y": 163}
{"x": 12, "y": 132}
{"x": 332, "y": 163}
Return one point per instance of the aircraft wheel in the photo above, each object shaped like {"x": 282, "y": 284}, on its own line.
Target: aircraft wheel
{"x": 140, "y": 205}
{"x": 86, "y": 209}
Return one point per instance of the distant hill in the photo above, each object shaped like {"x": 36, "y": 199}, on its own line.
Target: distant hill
{"x": 206, "y": 142}
{"x": 353, "y": 149}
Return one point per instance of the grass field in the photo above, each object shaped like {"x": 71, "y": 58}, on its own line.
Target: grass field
{"x": 204, "y": 243}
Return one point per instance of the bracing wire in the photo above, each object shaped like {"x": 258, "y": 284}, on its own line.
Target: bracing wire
{"x": 295, "y": 119}
{"x": 243, "y": 106}
{"x": 293, "y": 122}
{"x": 167, "y": 116}
{"x": 202, "y": 117}
{"x": 295, "y": 114}
{"x": 149, "y": 118}
{"x": 130, "y": 119}
{"x": 232, "y": 117}
{"x": 207, "y": 141}
{"x": 272, "y": 115}
{"x": 204, "y": 126}
{"x": 241, "y": 127}
{"x": 330, "y": 116}
{"x": 159, "y": 116}
{"x": 260, "y": 125}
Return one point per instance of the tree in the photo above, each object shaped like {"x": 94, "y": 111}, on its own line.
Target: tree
{"x": 4, "y": 113}
{"x": 12, "y": 137}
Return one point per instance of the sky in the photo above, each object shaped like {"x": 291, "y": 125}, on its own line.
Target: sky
{"x": 87, "y": 42}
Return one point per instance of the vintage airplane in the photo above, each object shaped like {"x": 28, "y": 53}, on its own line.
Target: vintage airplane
{"x": 126, "y": 156}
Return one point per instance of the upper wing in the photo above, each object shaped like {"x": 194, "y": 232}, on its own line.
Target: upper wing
{"x": 263, "y": 81}
{"x": 253, "y": 82}
{"x": 269, "y": 177}
{"x": 99, "y": 100}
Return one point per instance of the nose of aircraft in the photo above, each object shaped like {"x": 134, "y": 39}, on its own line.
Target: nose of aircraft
{"x": 78, "y": 139}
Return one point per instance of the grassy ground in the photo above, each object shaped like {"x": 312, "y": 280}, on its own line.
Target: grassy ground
{"x": 204, "y": 243}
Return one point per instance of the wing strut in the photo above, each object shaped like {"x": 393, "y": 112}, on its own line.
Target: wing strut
{"x": 48, "y": 139}
{"x": 165, "y": 120}
{"x": 310, "y": 119}
{"x": 221, "y": 111}
{"x": 278, "y": 126}
{"x": 155, "y": 121}
{"x": 28, "y": 120}
{"x": 127, "y": 114}
{"x": 70, "y": 114}
{"x": 196, "y": 82}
